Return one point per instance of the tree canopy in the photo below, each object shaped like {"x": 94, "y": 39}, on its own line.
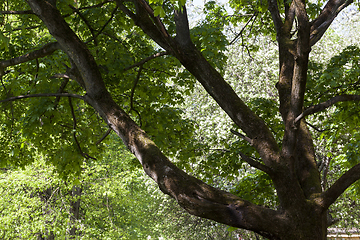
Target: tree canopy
{"x": 73, "y": 71}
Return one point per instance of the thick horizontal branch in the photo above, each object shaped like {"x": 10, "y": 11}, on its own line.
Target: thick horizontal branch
{"x": 159, "y": 54}
{"x": 42, "y": 95}
{"x": 347, "y": 179}
{"x": 42, "y": 52}
{"x": 322, "y": 106}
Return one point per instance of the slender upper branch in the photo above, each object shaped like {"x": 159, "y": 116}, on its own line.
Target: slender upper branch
{"x": 347, "y": 179}
{"x": 87, "y": 23}
{"x": 322, "y": 106}
{"x": 253, "y": 16}
{"x": 289, "y": 18}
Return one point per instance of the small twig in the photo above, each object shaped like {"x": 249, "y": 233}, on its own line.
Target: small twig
{"x": 86, "y": 23}
{"x": 74, "y": 131}
{"x": 134, "y": 86}
{"x": 316, "y": 128}
{"x": 241, "y": 136}
{"x": 17, "y": 12}
{"x": 242, "y": 30}
{"x": 96, "y": 5}
{"x": 61, "y": 90}
{"x": 159, "y": 54}
{"x": 103, "y": 137}
{"x": 42, "y": 95}
{"x": 103, "y": 27}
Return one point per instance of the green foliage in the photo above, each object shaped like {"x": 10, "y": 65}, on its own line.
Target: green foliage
{"x": 116, "y": 201}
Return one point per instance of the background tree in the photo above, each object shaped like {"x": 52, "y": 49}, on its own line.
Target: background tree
{"x": 287, "y": 157}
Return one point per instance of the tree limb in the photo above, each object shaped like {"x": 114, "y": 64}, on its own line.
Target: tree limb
{"x": 61, "y": 90}
{"x": 134, "y": 86}
{"x": 107, "y": 22}
{"x": 86, "y": 22}
{"x": 289, "y": 18}
{"x": 326, "y": 17}
{"x": 42, "y": 52}
{"x": 145, "y": 19}
{"x": 347, "y": 179}
{"x": 103, "y": 137}
{"x": 322, "y": 106}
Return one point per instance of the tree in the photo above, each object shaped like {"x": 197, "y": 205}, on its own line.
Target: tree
{"x": 85, "y": 39}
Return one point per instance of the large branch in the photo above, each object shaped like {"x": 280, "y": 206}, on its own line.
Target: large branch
{"x": 322, "y": 106}
{"x": 254, "y": 127}
{"x": 347, "y": 179}
{"x": 326, "y": 17}
{"x": 192, "y": 194}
